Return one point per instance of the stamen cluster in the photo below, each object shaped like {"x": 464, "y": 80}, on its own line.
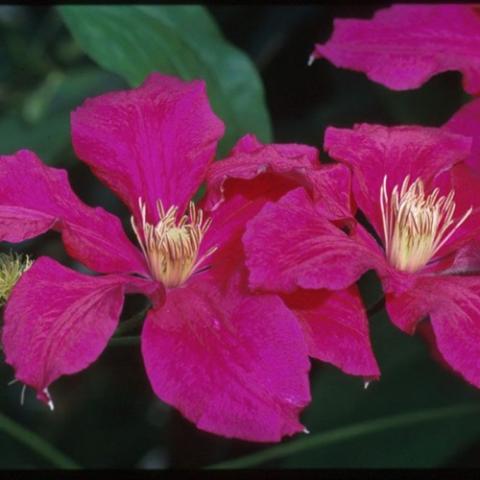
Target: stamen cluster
{"x": 171, "y": 247}
{"x": 416, "y": 226}
{"x": 12, "y": 266}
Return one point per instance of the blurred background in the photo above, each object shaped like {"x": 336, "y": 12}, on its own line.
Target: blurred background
{"x": 107, "y": 416}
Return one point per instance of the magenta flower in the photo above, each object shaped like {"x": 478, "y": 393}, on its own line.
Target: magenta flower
{"x": 403, "y": 46}
{"x": 423, "y": 226}
{"x": 232, "y": 362}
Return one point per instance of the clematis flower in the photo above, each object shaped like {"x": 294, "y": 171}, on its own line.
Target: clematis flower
{"x": 421, "y": 223}
{"x": 403, "y": 46}
{"x": 232, "y": 362}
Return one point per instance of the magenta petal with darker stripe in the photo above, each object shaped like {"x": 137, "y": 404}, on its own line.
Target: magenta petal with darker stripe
{"x": 35, "y": 198}
{"x": 290, "y": 244}
{"x": 153, "y": 142}
{"x": 335, "y": 326}
{"x": 453, "y": 305}
{"x": 232, "y": 363}
{"x": 403, "y": 46}
{"x": 58, "y": 321}
{"x": 299, "y": 164}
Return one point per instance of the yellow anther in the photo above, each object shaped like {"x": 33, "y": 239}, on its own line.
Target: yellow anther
{"x": 12, "y": 266}
{"x": 171, "y": 247}
{"x": 416, "y": 226}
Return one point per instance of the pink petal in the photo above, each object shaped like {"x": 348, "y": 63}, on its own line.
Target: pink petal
{"x": 292, "y": 164}
{"x": 466, "y": 184}
{"x": 407, "y": 306}
{"x": 373, "y": 151}
{"x": 453, "y": 305}
{"x": 242, "y": 200}
{"x": 467, "y": 122}
{"x": 291, "y": 244}
{"x": 35, "y": 198}
{"x": 466, "y": 175}
{"x": 405, "y": 45}
{"x": 233, "y": 363}
{"x": 154, "y": 142}
{"x": 425, "y": 329}
{"x": 336, "y": 329}
{"x": 58, "y": 321}
{"x": 467, "y": 259}
{"x": 456, "y": 323}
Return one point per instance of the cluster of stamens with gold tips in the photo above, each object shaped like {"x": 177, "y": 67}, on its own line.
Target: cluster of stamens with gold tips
{"x": 12, "y": 267}
{"x": 171, "y": 247}
{"x": 416, "y": 226}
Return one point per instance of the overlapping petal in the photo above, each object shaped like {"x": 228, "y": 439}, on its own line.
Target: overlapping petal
{"x": 153, "y": 142}
{"x": 467, "y": 122}
{"x": 287, "y": 166}
{"x": 290, "y": 244}
{"x": 466, "y": 259}
{"x": 466, "y": 175}
{"x": 335, "y": 326}
{"x": 403, "y": 46}
{"x": 408, "y": 307}
{"x": 233, "y": 363}
{"x": 453, "y": 304}
{"x": 373, "y": 151}
{"x": 58, "y": 321}
{"x": 456, "y": 323}
{"x": 35, "y": 198}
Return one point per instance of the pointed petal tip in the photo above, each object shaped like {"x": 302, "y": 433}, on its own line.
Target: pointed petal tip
{"x": 48, "y": 399}
{"x": 22, "y": 395}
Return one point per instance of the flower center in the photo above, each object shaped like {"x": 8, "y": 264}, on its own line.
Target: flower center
{"x": 12, "y": 267}
{"x": 416, "y": 226}
{"x": 171, "y": 247}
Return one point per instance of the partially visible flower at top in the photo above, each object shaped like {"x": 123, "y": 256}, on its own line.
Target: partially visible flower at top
{"x": 403, "y": 46}
{"x": 424, "y": 226}
{"x": 12, "y": 267}
{"x": 233, "y": 362}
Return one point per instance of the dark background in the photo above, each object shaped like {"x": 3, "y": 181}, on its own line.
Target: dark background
{"x": 107, "y": 415}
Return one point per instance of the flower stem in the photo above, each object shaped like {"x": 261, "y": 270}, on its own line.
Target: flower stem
{"x": 346, "y": 433}
{"x": 36, "y": 443}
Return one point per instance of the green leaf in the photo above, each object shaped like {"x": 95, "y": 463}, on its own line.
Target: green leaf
{"x": 44, "y": 126}
{"x": 46, "y": 139}
{"x": 134, "y": 41}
